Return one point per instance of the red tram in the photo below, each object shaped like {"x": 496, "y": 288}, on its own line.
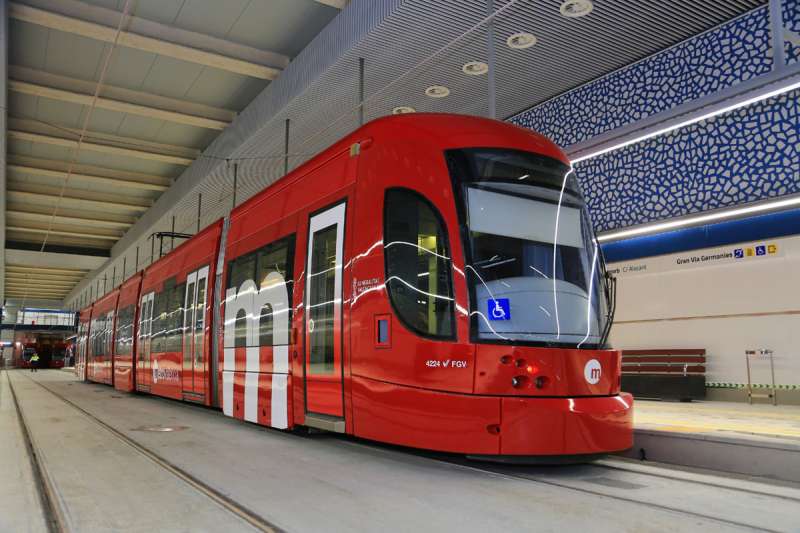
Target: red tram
{"x": 431, "y": 281}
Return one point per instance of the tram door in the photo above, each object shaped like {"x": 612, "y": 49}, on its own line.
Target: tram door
{"x": 194, "y": 321}
{"x": 145, "y": 329}
{"x": 324, "y": 393}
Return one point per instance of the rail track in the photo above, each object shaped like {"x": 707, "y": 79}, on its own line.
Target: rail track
{"x": 55, "y": 514}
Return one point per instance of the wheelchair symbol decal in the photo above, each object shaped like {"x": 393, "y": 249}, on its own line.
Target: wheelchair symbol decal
{"x": 499, "y": 309}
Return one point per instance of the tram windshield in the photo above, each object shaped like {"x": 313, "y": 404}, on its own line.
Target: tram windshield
{"x": 534, "y": 267}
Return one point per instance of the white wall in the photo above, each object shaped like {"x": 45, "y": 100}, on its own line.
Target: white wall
{"x": 717, "y": 302}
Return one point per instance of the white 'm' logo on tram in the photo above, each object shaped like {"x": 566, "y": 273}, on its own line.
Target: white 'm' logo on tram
{"x": 249, "y": 300}
{"x": 592, "y": 371}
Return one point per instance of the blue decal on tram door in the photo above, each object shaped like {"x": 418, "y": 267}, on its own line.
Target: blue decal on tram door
{"x": 499, "y": 309}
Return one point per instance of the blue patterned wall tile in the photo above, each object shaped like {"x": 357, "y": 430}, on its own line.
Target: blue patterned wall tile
{"x": 747, "y": 155}
{"x": 705, "y": 64}
{"x": 791, "y": 22}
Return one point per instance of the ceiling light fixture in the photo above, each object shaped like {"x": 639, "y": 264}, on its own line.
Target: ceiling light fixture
{"x": 521, "y": 40}
{"x": 437, "y": 91}
{"x": 403, "y": 110}
{"x": 689, "y": 122}
{"x": 475, "y": 68}
{"x": 576, "y": 8}
{"x": 700, "y": 219}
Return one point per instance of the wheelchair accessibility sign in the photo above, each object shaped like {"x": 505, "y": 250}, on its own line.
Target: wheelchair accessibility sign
{"x": 760, "y": 250}
{"x": 498, "y": 309}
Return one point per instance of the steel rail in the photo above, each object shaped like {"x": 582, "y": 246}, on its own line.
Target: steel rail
{"x": 53, "y": 516}
{"x": 251, "y": 517}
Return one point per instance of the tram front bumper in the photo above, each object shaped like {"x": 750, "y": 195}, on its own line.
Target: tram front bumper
{"x": 566, "y": 426}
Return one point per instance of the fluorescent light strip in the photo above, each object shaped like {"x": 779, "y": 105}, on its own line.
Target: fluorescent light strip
{"x": 689, "y": 122}
{"x": 691, "y": 221}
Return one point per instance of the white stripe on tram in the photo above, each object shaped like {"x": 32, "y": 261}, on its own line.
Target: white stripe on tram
{"x": 279, "y": 408}
{"x": 251, "y": 396}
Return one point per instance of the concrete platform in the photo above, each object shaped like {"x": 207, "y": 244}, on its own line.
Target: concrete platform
{"x": 755, "y": 440}
{"x": 328, "y": 482}
{"x": 20, "y": 507}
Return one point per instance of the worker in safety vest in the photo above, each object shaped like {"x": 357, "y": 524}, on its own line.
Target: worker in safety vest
{"x": 34, "y": 362}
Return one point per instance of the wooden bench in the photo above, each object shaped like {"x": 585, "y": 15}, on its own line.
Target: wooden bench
{"x": 666, "y": 374}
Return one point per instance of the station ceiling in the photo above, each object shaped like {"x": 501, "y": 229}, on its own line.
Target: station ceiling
{"x": 180, "y": 73}
{"x": 189, "y": 87}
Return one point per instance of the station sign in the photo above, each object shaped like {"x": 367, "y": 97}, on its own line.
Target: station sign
{"x": 732, "y": 254}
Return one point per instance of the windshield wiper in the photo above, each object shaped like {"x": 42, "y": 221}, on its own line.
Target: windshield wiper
{"x": 611, "y": 298}
{"x": 487, "y": 263}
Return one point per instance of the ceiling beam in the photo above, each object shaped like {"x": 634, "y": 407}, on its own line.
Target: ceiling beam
{"x": 81, "y": 86}
{"x": 115, "y": 105}
{"x": 46, "y": 269}
{"x": 89, "y": 221}
{"x": 40, "y": 283}
{"x": 36, "y": 287}
{"x": 20, "y": 284}
{"x": 44, "y": 262}
{"x": 108, "y": 34}
{"x": 25, "y": 278}
{"x": 39, "y": 272}
{"x": 94, "y": 147}
{"x": 37, "y": 294}
{"x": 43, "y": 276}
{"x": 19, "y": 278}
{"x": 99, "y": 180}
{"x": 89, "y": 201}
{"x": 63, "y": 233}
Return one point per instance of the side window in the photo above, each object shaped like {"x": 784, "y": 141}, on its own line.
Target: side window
{"x": 159, "y": 320}
{"x": 240, "y": 270}
{"x": 119, "y": 337}
{"x": 274, "y": 272}
{"x": 418, "y": 264}
{"x": 240, "y": 328}
{"x": 270, "y": 267}
{"x": 175, "y": 313}
{"x": 265, "y": 326}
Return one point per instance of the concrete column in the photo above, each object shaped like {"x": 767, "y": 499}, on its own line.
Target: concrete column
{"x": 3, "y": 128}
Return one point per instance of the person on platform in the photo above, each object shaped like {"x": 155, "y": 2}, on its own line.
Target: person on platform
{"x": 34, "y": 362}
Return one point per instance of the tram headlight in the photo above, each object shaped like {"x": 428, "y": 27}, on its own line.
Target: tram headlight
{"x": 519, "y": 382}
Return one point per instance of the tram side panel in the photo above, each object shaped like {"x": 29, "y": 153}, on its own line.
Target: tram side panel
{"x": 173, "y": 328}
{"x": 264, "y": 371}
{"x": 82, "y": 344}
{"x": 413, "y": 370}
{"x": 125, "y": 337}
{"x": 101, "y": 339}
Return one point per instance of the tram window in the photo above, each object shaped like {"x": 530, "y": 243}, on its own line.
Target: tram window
{"x": 265, "y": 333}
{"x": 418, "y": 264}
{"x": 241, "y": 269}
{"x": 124, "y": 331}
{"x": 108, "y": 333}
{"x": 200, "y": 320}
{"x": 175, "y": 319}
{"x": 188, "y": 330}
{"x": 321, "y": 301}
{"x": 159, "y": 320}
{"x": 275, "y": 258}
{"x": 240, "y": 329}
{"x": 261, "y": 266}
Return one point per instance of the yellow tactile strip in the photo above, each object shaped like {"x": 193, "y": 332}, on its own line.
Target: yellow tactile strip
{"x": 710, "y": 417}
